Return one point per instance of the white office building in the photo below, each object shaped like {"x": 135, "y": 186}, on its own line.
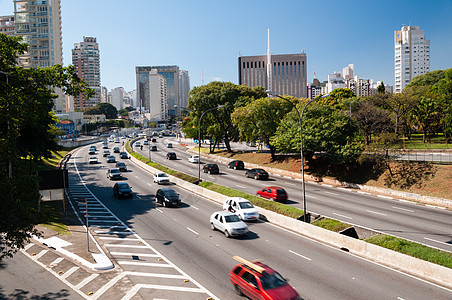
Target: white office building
{"x": 117, "y": 97}
{"x": 158, "y": 97}
{"x": 411, "y": 55}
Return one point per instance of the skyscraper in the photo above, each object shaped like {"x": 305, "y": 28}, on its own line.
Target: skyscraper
{"x": 411, "y": 55}
{"x": 7, "y": 25}
{"x": 184, "y": 85}
{"x": 86, "y": 60}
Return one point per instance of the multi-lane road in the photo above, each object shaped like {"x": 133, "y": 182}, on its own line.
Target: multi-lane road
{"x": 183, "y": 236}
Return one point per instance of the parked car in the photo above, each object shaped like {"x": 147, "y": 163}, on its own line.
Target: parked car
{"x": 93, "y": 160}
{"x": 122, "y": 189}
{"x": 161, "y": 178}
{"x": 121, "y": 166}
{"x": 236, "y": 165}
{"x": 111, "y": 159}
{"x": 145, "y": 142}
{"x": 167, "y": 197}
{"x": 116, "y": 150}
{"x": 123, "y": 155}
{"x": 242, "y": 208}
{"x": 194, "y": 159}
{"x": 211, "y": 169}
{"x": 273, "y": 193}
{"x": 257, "y": 174}
{"x": 153, "y": 148}
{"x": 169, "y": 145}
{"x": 113, "y": 173}
{"x": 228, "y": 223}
{"x": 137, "y": 144}
{"x": 106, "y": 153}
{"x": 171, "y": 155}
{"x": 256, "y": 280}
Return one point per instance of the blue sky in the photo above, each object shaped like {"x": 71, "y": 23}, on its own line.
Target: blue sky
{"x": 206, "y": 37}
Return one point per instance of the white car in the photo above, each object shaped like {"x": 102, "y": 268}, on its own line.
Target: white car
{"x": 242, "y": 208}
{"x": 194, "y": 159}
{"x": 161, "y": 178}
{"x": 137, "y": 144}
{"x": 93, "y": 160}
{"x": 228, "y": 223}
{"x": 145, "y": 142}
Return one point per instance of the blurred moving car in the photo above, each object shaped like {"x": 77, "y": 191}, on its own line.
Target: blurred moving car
{"x": 256, "y": 280}
{"x": 257, "y": 174}
{"x": 113, "y": 173}
{"x": 171, "y": 155}
{"x": 242, "y": 208}
{"x": 169, "y": 145}
{"x": 153, "y": 148}
{"x": 121, "y": 166}
{"x": 211, "y": 169}
{"x": 137, "y": 144}
{"x": 93, "y": 160}
{"x": 273, "y": 193}
{"x": 123, "y": 155}
{"x": 167, "y": 197}
{"x": 236, "y": 165}
{"x": 122, "y": 189}
{"x": 161, "y": 178}
{"x": 111, "y": 159}
{"x": 154, "y": 140}
{"x": 106, "y": 153}
{"x": 193, "y": 159}
{"x": 228, "y": 223}
{"x": 116, "y": 150}
{"x": 145, "y": 142}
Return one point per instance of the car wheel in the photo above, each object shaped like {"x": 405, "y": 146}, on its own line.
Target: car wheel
{"x": 227, "y": 234}
{"x": 238, "y": 290}
{"x": 256, "y": 177}
{"x": 212, "y": 226}
{"x": 235, "y": 168}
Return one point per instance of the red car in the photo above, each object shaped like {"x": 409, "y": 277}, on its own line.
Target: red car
{"x": 273, "y": 193}
{"x": 256, "y": 280}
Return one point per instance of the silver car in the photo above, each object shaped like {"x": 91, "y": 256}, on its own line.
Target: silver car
{"x": 228, "y": 223}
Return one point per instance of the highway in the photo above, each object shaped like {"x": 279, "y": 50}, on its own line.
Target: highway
{"x": 427, "y": 225}
{"x": 184, "y": 237}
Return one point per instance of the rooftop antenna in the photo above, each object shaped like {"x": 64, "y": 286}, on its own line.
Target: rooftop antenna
{"x": 269, "y": 63}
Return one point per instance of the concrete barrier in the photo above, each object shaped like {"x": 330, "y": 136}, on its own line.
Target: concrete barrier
{"x": 393, "y": 259}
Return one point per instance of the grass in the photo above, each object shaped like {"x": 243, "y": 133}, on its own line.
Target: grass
{"x": 332, "y": 225}
{"x": 52, "y": 212}
{"x": 413, "y": 249}
{"x": 416, "y": 142}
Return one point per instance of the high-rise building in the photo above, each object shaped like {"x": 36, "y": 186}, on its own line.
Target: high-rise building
{"x": 86, "y": 60}
{"x": 171, "y": 75}
{"x": 7, "y": 25}
{"x": 348, "y": 72}
{"x": 39, "y": 24}
{"x": 117, "y": 97}
{"x": 411, "y": 55}
{"x": 184, "y": 86}
{"x": 335, "y": 81}
{"x": 158, "y": 96}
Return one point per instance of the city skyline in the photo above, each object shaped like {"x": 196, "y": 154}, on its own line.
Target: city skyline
{"x": 207, "y": 43}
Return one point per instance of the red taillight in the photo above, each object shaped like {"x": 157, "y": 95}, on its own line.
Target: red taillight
{"x": 258, "y": 173}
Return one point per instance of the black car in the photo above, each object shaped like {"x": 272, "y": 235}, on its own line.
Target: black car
{"x": 211, "y": 169}
{"x": 116, "y": 150}
{"x": 167, "y": 197}
{"x": 171, "y": 155}
{"x": 122, "y": 189}
{"x": 154, "y": 140}
{"x": 121, "y": 166}
{"x": 153, "y": 148}
{"x": 236, "y": 165}
{"x": 123, "y": 155}
{"x": 257, "y": 174}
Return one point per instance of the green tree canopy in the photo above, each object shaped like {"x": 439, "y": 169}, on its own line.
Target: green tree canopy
{"x": 106, "y": 109}
{"x": 430, "y": 78}
{"x": 125, "y": 111}
{"x": 337, "y": 96}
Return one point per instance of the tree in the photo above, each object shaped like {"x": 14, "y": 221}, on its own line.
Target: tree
{"x": 325, "y": 129}
{"x": 430, "y": 78}
{"x": 259, "y": 120}
{"x": 444, "y": 88}
{"x": 337, "y": 96}
{"x": 427, "y": 116}
{"x": 372, "y": 119}
{"x": 27, "y": 128}
{"x": 125, "y": 111}
{"x": 217, "y": 123}
{"x": 106, "y": 109}
{"x": 381, "y": 88}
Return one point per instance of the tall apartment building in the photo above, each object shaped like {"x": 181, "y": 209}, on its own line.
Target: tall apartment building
{"x": 86, "y": 60}
{"x": 361, "y": 87}
{"x": 171, "y": 76}
{"x": 283, "y": 74}
{"x": 411, "y": 55}
{"x": 335, "y": 81}
{"x": 39, "y": 24}
{"x": 158, "y": 96}
{"x": 7, "y": 25}
{"x": 184, "y": 86}
{"x": 117, "y": 97}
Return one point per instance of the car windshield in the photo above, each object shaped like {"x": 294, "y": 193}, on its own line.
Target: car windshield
{"x": 115, "y": 171}
{"x": 123, "y": 186}
{"x": 161, "y": 175}
{"x": 121, "y": 164}
{"x": 272, "y": 281}
{"x": 171, "y": 194}
{"x": 245, "y": 205}
{"x": 260, "y": 171}
{"x": 232, "y": 219}
{"x": 280, "y": 192}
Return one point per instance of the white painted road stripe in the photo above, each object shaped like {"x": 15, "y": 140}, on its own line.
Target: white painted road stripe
{"x": 335, "y": 194}
{"x": 136, "y": 263}
{"x": 324, "y": 184}
{"x": 69, "y": 272}
{"x": 126, "y": 246}
{"x": 41, "y": 254}
{"x": 165, "y": 287}
{"x": 385, "y": 197}
{"x": 437, "y": 241}
{"x": 300, "y": 255}
{"x": 155, "y": 275}
{"x": 342, "y": 216}
{"x": 117, "y": 239}
{"x": 160, "y": 211}
{"x": 107, "y": 286}
{"x": 137, "y": 254}
{"x": 361, "y": 192}
{"x": 195, "y": 207}
{"x": 192, "y": 230}
{"x": 404, "y": 209}
{"x": 57, "y": 261}
{"x": 85, "y": 281}
{"x": 377, "y": 213}
{"x": 240, "y": 186}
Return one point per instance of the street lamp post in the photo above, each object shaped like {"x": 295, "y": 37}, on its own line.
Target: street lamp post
{"x": 300, "y": 118}
{"x": 199, "y": 141}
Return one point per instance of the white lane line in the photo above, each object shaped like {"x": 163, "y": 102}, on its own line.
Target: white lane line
{"x": 117, "y": 239}
{"x": 137, "y": 177}
{"x": 377, "y": 213}
{"x": 137, "y": 287}
{"x": 384, "y": 197}
{"x": 404, "y": 209}
{"x": 107, "y": 286}
{"x": 434, "y": 206}
{"x": 293, "y": 252}
{"x": 85, "y": 281}
{"x": 56, "y": 261}
{"x": 342, "y": 216}
{"x": 137, "y": 254}
{"x": 69, "y": 272}
{"x": 41, "y": 254}
{"x": 195, "y": 207}
{"x": 149, "y": 184}
{"x": 143, "y": 264}
{"x": 143, "y": 274}
{"x": 290, "y": 183}
{"x": 406, "y": 201}
{"x": 437, "y": 241}
{"x": 364, "y": 193}
{"x": 159, "y": 210}
{"x": 324, "y": 184}
{"x": 126, "y": 246}
{"x": 240, "y": 186}
{"x": 192, "y": 231}
{"x": 335, "y": 194}
{"x": 312, "y": 197}
{"x": 28, "y": 246}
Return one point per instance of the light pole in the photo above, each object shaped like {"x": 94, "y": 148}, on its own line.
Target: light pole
{"x": 300, "y": 118}
{"x": 199, "y": 141}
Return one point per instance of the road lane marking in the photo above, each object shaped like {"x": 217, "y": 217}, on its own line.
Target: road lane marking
{"x": 149, "y": 184}
{"x": 139, "y": 286}
{"x": 137, "y": 254}
{"x": 364, "y": 193}
{"x": 143, "y": 274}
{"x": 290, "y": 183}
{"x": 342, "y": 216}
{"x": 69, "y": 272}
{"x": 192, "y": 231}
{"x": 85, "y": 281}
{"x": 313, "y": 197}
{"x": 436, "y": 241}
{"x": 324, "y": 184}
{"x": 404, "y": 209}
{"x": 126, "y": 246}
{"x": 159, "y": 210}
{"x": 377, "y": 213}
{"x": 195, "y": 207}
{"x": 293, "y": 252}
{"x": 136, "y": 263}
{"x": 384, "y": 197}
{"x": 56, "y": 261}
{"x": 335, "y": 194}
{"x": 240, "y": 186}
{"x": 117, "y": 239}
{"x": 434, "y": 206}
